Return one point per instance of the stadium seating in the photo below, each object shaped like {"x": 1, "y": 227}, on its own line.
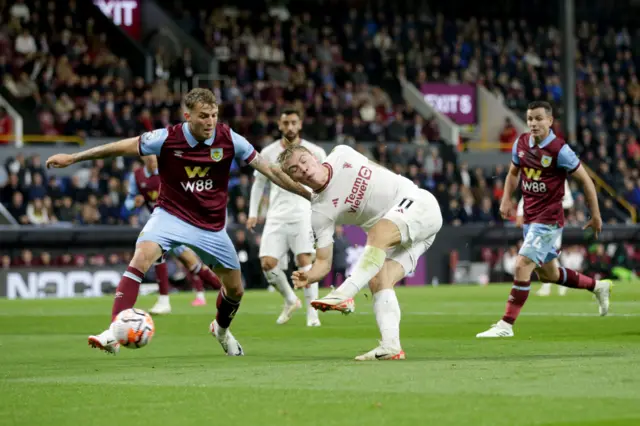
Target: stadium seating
{"x": 340, "y": 70}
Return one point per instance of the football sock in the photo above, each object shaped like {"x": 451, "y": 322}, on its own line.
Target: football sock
{"x": 207, "y": 276}
{"x": 387, "y": 312}
{"x": 310, "y": 293}
{"x": 162, "y": 275}
{"x": 572, "y": 279}
{"x": 368, "y": 266}
{"x": 278, "y": 279}
{"x": 196, "y": 283}
{"x": 519, "y": 294}
{"x": 227, "y": 309}
{"x": 127, "y": 291}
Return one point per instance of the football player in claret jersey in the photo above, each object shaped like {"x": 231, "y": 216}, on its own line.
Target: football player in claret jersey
{"x": 542, "y": 162}
{"x": 288, "y": 225}
{"x": 194, "y": 159}
{"x": 400, "y": 219}
{"x": 144, "y": 189}
{"x": 567, "y": 203}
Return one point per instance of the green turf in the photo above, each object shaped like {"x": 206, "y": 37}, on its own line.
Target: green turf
{"x": 566, "y": 365}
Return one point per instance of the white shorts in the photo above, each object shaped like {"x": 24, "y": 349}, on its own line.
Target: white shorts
{"x": 279, "y": 238}
{"x": 419, "y": 219}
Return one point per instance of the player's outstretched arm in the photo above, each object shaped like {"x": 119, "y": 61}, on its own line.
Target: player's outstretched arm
{"x": 125, "y": 147}
{"x": 591, "y": 196}
{"x": 274, "y": 173}
{"x": 321, "y": 267}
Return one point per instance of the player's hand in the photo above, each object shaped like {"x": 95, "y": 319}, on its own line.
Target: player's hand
{"x": 139, "y": 201}
{"x": 300, "y": 279}
{"x": 506, "y": 208}
{"x": 594, "y": 223}
{"x": 251, "y": 223}
{"x": 59, "y": 161}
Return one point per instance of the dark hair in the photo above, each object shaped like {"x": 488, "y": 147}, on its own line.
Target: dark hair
{"x": 291, "y": 110}
{"x": 541, "y": 104}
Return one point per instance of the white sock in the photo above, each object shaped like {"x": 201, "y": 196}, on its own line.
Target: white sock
{"x": 163, "y": 299}
{"x": 545, "y": 288}
{"x": 387, "y": 311}
{"x": 200, "y": 295}
{"x": 310, "y": 294}
{"x": 369, "y": 264}
{"x": 278, "y": 279}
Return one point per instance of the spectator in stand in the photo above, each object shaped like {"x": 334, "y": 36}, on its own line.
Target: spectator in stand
{"x": 6, "y": 126}
{"x": 508, "y": 136}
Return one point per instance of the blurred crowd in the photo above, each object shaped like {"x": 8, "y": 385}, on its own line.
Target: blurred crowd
{"x": 340, "y": 69}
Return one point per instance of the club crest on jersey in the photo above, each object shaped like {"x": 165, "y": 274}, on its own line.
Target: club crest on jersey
{"x": 216, "y": 154}
{"x": 546, "y": 161}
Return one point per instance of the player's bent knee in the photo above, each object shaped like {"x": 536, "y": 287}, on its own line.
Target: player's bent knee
{"x": 268, "y": 263}
{"x": 231, "y": 281}
{"x": 379, "y": 283}
{"x": 384, "y": 234}
{"x": 146, "y": 254}
{"x": 524, "y": 266}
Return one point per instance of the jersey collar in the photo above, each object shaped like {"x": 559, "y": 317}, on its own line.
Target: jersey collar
{"x": 330, "y": 170}
{"x": 545, "y": 142}
{"x": 191, "y": 140}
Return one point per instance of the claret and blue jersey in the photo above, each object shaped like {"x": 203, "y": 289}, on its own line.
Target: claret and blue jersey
{"x": 544, "y": 169}
{"x": 192, "y": 205}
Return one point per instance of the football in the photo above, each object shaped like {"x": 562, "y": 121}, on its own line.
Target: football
{"x": 133, "y": 328}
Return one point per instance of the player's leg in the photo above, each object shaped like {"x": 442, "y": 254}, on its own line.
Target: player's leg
{"x": 216, "y": 248}
{"x": 162, "y": 306}
{"x": 387, "y": 312}
{"x": 146, "y": 253}
{"x": 200, "y": 273}
{"x": 301, "y": 241}
{"x": 304, "y": 263}
{"x": 273, "y": 248}
{"x": 566, "y": 277}
{"x": 400, "y": 262}
{"x": 416, "y": 218}
{"x": 517, "y": 298}
{"x": 227, "y": 304}
{"x": 545, "y": 288}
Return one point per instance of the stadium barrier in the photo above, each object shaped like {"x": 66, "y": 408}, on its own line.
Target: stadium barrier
{"x": 454, "y": 256}
{"x": 19, "y": 140}
{"x": 59, "y": 282}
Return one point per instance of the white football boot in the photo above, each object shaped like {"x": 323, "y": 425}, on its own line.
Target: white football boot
{"x": 602, "y": 292}
{"x": 382, "y": 353}
{"x": 229, "y": 343}
{"x": 105, "y": 341}
{"x": 545, "y": 290}
{"x": 335, "y": 301}
{"x": 312, "y": 317}
{"x": 287, "y": 311}
{"x": 161, "y": 308}
{"x": 500, "y": 329}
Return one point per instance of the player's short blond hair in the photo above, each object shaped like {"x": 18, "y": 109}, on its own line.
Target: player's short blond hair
{"x": 289, "y": 151}
{"x": 199, "y": 96}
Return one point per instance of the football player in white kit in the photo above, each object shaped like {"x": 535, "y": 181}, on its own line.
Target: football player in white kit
{"x": 288, "y": 224}
{"x": 567, "y": 203}
{"x": 401, "y": 221}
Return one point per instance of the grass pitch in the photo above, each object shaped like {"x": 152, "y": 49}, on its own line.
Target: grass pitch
{"x": 566, "y": 365}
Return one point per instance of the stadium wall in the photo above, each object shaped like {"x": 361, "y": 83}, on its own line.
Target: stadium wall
{"x": 453, "y": 258}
